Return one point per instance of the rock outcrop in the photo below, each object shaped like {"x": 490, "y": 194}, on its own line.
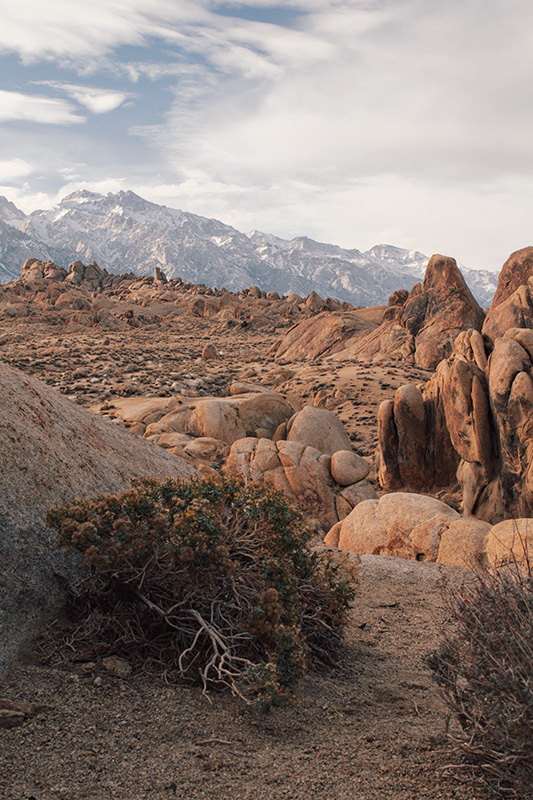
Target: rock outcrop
{"x": 323, "y": 335}
{"x": 249, "y": 413}
{"x": 422, "y": 327}
{"x": 512, "y": 306}
{"x": 52, "y": 451}
{"x": 473, "y": 420}
{"x": 303, "y": 473}
{"x": 413, "y": 526}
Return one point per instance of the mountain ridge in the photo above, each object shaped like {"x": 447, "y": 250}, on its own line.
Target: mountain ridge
{"x": 123, "y": 232}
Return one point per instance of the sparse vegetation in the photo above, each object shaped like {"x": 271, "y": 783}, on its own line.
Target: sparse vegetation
{"x": 485, "y": 669}
{"x": 207, "y": 580}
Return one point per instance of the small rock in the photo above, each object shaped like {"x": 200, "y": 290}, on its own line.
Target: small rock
{"x": 117, "y": 666}
{"x": 14, "y": 712}
{"x": 209, "y": 352}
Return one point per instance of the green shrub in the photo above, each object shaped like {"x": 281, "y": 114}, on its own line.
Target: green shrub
{"x": 485, "y": 669}
{"x": 207, "y": 579}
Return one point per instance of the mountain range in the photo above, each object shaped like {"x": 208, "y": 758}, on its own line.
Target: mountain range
{"x": 122, "y": 232}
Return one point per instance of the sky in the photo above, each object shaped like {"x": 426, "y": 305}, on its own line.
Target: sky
{"x": 354, "y": 122}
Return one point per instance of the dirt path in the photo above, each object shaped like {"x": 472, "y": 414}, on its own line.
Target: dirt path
{"x": 372, "y": 729}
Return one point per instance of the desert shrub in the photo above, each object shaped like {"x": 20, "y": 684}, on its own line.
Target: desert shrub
{"x": 485, "y": 669}
{"x": 207, "y": 579}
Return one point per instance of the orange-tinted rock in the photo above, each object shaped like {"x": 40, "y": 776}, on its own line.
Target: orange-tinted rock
{"x": 399, "y": 524}
{"x": 424, "y": 327}
{"x": 319, "y": 428}
{"x": 347, "y": 467}
{"x": 512, "y": 305}
{"x": 444, "y": 307}
{"x": 464, "y": 543}
{"x": 322, "y": 335}
{"x": 290, "y": 466}
{"x": 511, "y": 541}
{"x": 516, "y": 271}
{"x": 410, "y": 421}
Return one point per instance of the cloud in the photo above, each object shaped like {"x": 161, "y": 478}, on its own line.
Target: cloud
{"x": 14, "y": 168}
{"x": 353, "y": 122}
{"x": 406, "y": 92}
{"x": 85, "y": 31}
{"x": 35, "y": 108}
{"x": 98, "y": 101}
{"x": 429, "y": 96}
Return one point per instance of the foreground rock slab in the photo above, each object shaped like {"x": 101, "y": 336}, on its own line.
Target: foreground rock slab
{"x": 52, "y": 451}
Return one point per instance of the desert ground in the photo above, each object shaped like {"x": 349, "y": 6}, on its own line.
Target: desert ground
{"x": 375, "y": 727}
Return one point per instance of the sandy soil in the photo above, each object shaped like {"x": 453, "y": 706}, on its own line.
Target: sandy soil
{"x": 373, "y": 728}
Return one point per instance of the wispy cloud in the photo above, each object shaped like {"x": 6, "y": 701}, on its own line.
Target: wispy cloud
{"x": 85, "y": 31}
{"x": 15, "y": 106}
{"x": 98, "y": 101}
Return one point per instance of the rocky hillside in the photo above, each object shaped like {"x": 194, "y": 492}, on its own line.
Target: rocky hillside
{"x": 126, "y": 233}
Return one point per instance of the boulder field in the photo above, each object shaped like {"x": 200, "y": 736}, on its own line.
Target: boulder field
{"x": 280, "y": 390}
{"x": 87, "y": 296}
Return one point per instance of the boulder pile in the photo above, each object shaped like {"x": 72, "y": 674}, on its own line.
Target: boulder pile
{"x": 255, "y": 435}
{"x": 416, "y": 526}
{"x": 473, "y": 420}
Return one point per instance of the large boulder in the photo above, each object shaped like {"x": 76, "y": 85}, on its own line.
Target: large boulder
{"x": 53, "y": 451}
{"x": 319, "y": 428}
{"x": 463, "y": 543}
{"x": 414, "y": 446}
{"x": 399, "y": 524}
{"x": 413, "y": 526}
{"x": 511, "y": 541}
{"x": 322, "y": 335}
{"x": 348, "y": 468}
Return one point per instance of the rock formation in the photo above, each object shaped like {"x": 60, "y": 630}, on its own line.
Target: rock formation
{"x": 324, "y": 334}
{"x": 417, "y": 527}
{"x": 308, "y": 454}
{"x": 252, "y": 413}
{"x": 305, "y": 474}
{"x": 512, "y": 306}
{"x": 473, "y": 420}
{"x": 422, "y": 326}
{"x": 87, "y": 296}
{"x": 52, "y": 451}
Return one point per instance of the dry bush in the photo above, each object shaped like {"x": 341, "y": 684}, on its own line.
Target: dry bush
{"x": 207, "y": 579}
{"x": 485, "y": 668}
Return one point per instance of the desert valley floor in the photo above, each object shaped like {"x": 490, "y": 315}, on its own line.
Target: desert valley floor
{"x": 373, "y": 728}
